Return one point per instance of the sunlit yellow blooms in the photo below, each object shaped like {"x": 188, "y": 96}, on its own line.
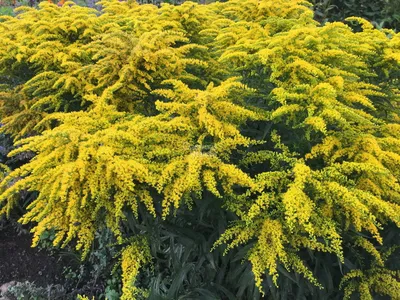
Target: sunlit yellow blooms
{"x": 133, "y": 257}
{"x": 294, "y": 126}
{"x": 376, "y": 279}
{"x": 272, "y": 242}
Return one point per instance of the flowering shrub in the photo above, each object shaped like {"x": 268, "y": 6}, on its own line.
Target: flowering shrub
{"x": 144, "y": 110}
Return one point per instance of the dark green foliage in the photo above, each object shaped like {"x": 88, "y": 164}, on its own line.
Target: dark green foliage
{"x": 382, "y": 13}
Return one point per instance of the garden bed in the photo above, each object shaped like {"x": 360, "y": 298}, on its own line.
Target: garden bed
{"x": 20, "y": 262}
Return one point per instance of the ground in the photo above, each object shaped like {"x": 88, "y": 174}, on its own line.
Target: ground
{"x": 20, "y": 262}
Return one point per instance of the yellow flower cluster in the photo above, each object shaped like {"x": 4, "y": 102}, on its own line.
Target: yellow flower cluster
{"x": 293, "y": 125}
{"x": 135, "y": 255}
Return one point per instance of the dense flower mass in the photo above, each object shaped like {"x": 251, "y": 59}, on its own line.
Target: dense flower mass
{"x": 294, "y": 125}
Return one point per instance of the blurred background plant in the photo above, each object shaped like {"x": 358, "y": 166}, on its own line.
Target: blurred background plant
{"x": 382, "y": 13}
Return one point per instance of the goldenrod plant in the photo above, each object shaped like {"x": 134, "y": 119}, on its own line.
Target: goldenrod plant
{"x": 291, "y": 125}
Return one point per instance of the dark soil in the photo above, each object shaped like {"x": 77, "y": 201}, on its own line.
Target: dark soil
{"x": 20, "y": 262}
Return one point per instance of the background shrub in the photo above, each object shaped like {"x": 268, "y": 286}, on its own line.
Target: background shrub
{"x": 382, "y": 13}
